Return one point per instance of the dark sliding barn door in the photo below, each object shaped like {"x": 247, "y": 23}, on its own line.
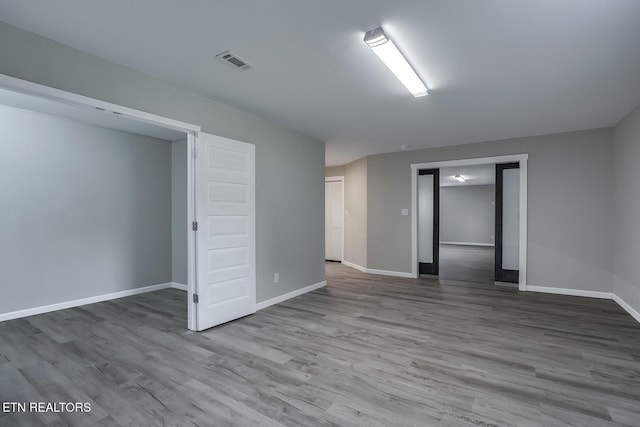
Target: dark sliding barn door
{"x": 507, "y": 222}
{"x": 428, "y": 221}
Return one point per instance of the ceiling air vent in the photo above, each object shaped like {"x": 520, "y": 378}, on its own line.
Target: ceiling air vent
{"x": 234, "y": 60}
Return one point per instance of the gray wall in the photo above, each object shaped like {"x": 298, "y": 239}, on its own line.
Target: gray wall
{"x": 570, "y": 232}
{"x": 86, "y": 210}
{"x": 467, "y": 214}
{"x": 627, "y": 219}
{"x": 179, "y": 220}
{"x": 289, "y": 165}
{"x": 355, "y": 219}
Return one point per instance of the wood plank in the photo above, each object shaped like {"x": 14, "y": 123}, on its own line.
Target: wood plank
{"x": 365, "y": 350}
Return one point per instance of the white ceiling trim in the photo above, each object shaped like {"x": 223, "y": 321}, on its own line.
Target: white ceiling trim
{"x": 34, "y": 89}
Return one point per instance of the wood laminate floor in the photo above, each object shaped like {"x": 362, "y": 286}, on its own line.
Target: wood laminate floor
{"x": 364, "y": 351}
{"x": 467, "y": 263}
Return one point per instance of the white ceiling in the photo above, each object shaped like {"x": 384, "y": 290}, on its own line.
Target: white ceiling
{"x": 86, "y": 115}
{"x": 497, "y": 68}
{"x": 474, "y": 175}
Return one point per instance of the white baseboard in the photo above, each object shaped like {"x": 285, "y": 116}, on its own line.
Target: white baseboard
{"x": 356, "y": 266}
{"x": 289, "y": 295}
{"x": 633, "y": 312}
{"x": 573, "y": 292}
{"x": 180, "y": 286}
{"x": 83, "y": 301}
{"x": 506, "y": 284}
{"x": 467, "y": 243}
{"x": 391, "y": 273}
{"x": 591, "y": 294}
{"x": 381, "y": 272}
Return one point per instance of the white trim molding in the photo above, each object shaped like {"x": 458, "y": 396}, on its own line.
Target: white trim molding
{"x": 82, "y": 301}
{"x": 380, "y": 272}
{"x": 521, "y": 158}
{"x": 590, "y": 294}
{"x": 30, "y": 88}
{"x": 180, "y": 286}
{"x": 192, "y": 243}
{"x": 632, "y": 311}
{"x": 390, "y": 273}
{"x": 356, "y": 266}
{"x": 470, "y": 162}
{"x": 289, "y": 295}
{"x": 572, "y": 292}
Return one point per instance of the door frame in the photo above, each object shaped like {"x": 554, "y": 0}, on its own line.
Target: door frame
{"x": 192, "y": 235}
{"x": 501, "y": 274}
{"x": 338, "y": 178}
{"x": 521, "y": 158}
{"x": 190, "y": 130}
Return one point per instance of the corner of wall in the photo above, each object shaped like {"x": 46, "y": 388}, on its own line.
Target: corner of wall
{"x": 356, "y": 214}
{"x": 626, "y": 271}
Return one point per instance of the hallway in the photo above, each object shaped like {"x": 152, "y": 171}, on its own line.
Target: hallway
{"x": 467, "y": 263}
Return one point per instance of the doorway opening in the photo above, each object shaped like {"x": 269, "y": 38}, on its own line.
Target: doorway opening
{"x": 455, "y": 228}
{"x": 467, "y": 223}
{"x": 117, "y": 234}
{"x": 334, "y": 218}
{"x": 107, "y": 193}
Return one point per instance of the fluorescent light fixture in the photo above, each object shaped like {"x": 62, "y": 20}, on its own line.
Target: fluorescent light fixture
{"x": 459, "y": 178}
{"x": 388, "y": 53}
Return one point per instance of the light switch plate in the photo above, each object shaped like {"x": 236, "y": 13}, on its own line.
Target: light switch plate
{"x": 404, "y": 212}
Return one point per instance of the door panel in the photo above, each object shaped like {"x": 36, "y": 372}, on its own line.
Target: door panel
{"x": 510, "y": 218}
{"x": 507, "y": 222}
{"x": 428, "y": 221}
{"x": 334, "y": 217}
{"x": 225, "y": 198}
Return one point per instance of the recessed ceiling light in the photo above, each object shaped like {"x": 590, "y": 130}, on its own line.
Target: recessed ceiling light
{"x": 387, "y": 51}
{"x": 459, "y": 178}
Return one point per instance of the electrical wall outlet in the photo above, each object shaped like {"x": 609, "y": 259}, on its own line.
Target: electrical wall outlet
{"x": 276, "y": 278}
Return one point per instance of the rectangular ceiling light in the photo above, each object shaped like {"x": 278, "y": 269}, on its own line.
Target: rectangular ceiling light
{"x": 382, "y": 46}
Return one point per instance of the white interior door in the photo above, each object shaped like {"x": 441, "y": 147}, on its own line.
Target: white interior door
{"x": 334, "y": 218}
{"x": 225, "y": 239}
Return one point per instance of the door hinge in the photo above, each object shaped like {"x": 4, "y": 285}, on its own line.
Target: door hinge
{"x": 194, "y": 153}
{"x": 194, "y": 225}
{"x": 195, "y": 298}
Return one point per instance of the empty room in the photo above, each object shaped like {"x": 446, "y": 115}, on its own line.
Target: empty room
{"x": 282, "y": 213}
